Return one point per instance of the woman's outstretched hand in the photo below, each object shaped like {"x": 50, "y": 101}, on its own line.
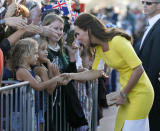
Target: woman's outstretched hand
{"x": 64, "y": 79}
{"x": 104, "y": 75}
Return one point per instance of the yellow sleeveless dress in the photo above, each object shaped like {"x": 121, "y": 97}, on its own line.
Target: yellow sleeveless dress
{"x": 123, "y": 58}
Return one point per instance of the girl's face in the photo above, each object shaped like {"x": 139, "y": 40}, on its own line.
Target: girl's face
{"x": 43, "y": 51}
{"x": 58, "y": 26}
{"x": 32, "y": 59}
{"x": 82, "y": 36}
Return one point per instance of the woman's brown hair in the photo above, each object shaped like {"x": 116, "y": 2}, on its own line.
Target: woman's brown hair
{"x": 86, "y": 21}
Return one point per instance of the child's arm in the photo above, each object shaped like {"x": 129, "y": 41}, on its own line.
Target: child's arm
{"x": 49, "y": 66}
{"x": 24, "y": 75}
{"x": 43, "y": 74}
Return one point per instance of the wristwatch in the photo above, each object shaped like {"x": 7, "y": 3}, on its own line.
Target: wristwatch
{"x": 124, "y": 95}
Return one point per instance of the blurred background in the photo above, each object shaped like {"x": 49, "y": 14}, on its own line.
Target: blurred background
{"x": 119, "y": 5}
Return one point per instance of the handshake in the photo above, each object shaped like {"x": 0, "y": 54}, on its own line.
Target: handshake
{"x": 64, "y": 79}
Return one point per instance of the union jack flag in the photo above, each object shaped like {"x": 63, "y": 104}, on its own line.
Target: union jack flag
{"x": 74, "y": 15}
{"x": 61, "y": 5}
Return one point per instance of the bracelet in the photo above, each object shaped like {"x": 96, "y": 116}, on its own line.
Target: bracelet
{"x": 124, "y": 95}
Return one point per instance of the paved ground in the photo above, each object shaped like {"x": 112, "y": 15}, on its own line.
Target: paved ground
{"x": 108, "y": 121}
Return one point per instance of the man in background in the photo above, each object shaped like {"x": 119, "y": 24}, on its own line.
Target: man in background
{"x": 149, "y": 53}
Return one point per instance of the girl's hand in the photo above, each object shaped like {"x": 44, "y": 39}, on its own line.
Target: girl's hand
{"x": 45, "y": 60}
{"x": 159, "y": 77}
{"x": 55, "y": 70}
{"x": 38, "y": 78}
{"x": 72, "y": 51}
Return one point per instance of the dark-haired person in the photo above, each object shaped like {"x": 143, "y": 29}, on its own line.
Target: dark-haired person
{"x": 149, "y": 55}
{"x": 114, "y": 48}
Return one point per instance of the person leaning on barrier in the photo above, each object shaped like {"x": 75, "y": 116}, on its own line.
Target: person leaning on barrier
{"x": 50, "y": 70}
{"x": 24, "y": 56}
{"x": 114, "y": 48}
{"x": 64, "y": 58}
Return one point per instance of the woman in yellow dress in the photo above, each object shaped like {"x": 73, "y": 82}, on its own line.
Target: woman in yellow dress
{"x": 114, "y": 48}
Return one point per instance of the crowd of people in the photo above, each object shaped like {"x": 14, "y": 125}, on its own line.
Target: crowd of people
{"x": 49, "y": 50}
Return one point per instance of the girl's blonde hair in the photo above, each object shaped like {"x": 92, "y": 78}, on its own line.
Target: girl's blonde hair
{"x": 41, "y": 40}
{"x": 48, "y": 19}
{"x": 24, "y": 47}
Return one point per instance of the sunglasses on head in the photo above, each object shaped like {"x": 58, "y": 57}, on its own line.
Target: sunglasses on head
{"x": 149, "y": 3}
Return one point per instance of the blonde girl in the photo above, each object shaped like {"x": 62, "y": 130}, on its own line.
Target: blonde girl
{"x": 25, "y": 55}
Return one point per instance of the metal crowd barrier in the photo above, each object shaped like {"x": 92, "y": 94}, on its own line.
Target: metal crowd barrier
{"x": 17, "y": 108}
{"x": 20, "y": 112}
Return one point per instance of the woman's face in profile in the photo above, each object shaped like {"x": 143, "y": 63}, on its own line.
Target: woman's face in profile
{"x": 81, "y": 36}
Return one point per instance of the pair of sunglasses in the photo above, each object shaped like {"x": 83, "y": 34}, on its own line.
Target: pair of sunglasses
{"x": 149, "y": 3}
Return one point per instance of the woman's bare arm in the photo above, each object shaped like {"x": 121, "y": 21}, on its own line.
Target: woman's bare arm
{"x": 135, "y": 76}
{"x": 87, "y": 75}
